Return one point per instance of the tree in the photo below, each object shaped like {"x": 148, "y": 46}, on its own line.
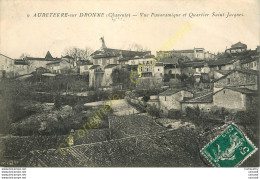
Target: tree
{"x": 136, "y": 47}
{"x": 182, "y": 77}
{"x": 153, "y": 111}
{"x": 75, "y": 52}
{"x": 23, "y": 55}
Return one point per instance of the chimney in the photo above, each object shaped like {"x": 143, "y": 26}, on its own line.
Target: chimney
{"x": 103, "y": 45}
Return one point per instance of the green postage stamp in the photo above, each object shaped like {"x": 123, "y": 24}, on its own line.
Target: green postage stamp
{"x": 230, "y": 149}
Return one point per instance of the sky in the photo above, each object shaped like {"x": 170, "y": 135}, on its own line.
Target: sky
{"x": 36, "y": 35}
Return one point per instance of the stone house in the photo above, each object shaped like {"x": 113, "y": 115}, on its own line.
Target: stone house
{"x": 171, "y": 67}
{"x": 226, "y": 64}
{"x": 158, "y": 70}
{"x": 234, "y": 98}
{"x": 251, "y": 63}
{"x": 59, "y": 66}
{"x": 107, "y": 78}
{"x": 84, "y": 69}
{"x": 238, "y": 78}
{"x": 204, "y": 102}
{"x": 6, "y": 66}
{"x": 171, "y": 99}
{"x": 154, "y": 101}
{"x": 192, "y": 54}
{"x": 96, "y": 74}
{"x": 35, "y": 63}
{"x": 191, "y": 67}
{"x": 236, "y": 48}
{"x": 21, "y": 67}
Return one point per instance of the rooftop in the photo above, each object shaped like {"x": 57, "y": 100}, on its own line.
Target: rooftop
{"x": 170, "y": 92}
{"x": 111, "y": 66}
{"x": 207, "y": 98}
{"x": 239, "y": 45}
{"x": 94, "y": 67}
{"x": 240, "y": 90}
{"x": 109, "y": 52}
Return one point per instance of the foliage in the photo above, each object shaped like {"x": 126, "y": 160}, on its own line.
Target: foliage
{"x": 153, "y": 110}
{"x": 174, "y": 114}
{"x": 182, "y": 77}
{"x": 146, "y": 98}
{"x": 120, "y": 76}
{"x": 75, "y": 52}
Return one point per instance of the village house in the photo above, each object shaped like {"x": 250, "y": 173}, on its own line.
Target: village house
{"x": 194, "y": 67}
{"x": 204, "y": 102}
{"x": 251, "y": 63}
{"x": 21, "y": 67}
{"x": 219, "y": 73}
{"x": 59, "y": 66}
{"x": 154, "y": 101}
{"x": 234, "y": 98}
{"x": 236, "y": 48}
{"x": 35, "y": 63}
{"x": 84, "y": 69}
{"x": 107, "y": 79}
{"x": 171, "y": 99}
{"x": 6, "y": 66}
{"x": 224, "y": 64}
{"x": 171, "y": 67}
{"x": 192, "y": 54}
{"x": 105, "y": 60}
{"x": 96, "y": 74}
{"x": 106, "y": 56}
{"x": 238, "y": 78}
{"x": 158, "y": 70}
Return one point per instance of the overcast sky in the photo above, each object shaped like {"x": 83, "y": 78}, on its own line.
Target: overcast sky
{"x": 35, "y": 36}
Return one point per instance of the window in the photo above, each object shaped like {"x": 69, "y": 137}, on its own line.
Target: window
{"x": 228, "y": 81}
{"x": 158, "y": 69}
{"x": 165, "y": 98}
{"x": 224, "y": 91}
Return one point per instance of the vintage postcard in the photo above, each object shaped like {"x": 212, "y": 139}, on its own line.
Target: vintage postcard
{"x": 129, "y": 83}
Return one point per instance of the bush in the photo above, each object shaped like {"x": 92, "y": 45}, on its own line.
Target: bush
{"x": 174, "y": 114}
{"x": 146, "y": 98}
{"x": 153, "y": 110}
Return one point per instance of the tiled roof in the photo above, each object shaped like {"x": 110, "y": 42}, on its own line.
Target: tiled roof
{"x": 248, "y": 60}
{"x": 67, "y": 56}
{"x": 207, "y": 98}
{"x": 223, "y": 72}
{"x": 159, "y": 64}
{"x": 136, "y": 58}
{"x": 240, "y": 90}
{"x": 54, "y": 62}
{"x": 111, "y": 66}
{"x": 222, "y": 61}
{"x": 5, "y": 56}
{"x": 170, "y": 60}
{"x": 184, "y": 51}
{"x": 94, "y": 67}
{"x": 20, "y": 62}
{"x": 248, "y": 71}
{"x": 197, "y": 63}
{"x": 170, "y": 92}
{"x": 242, "y": 70}
{"x": 239, "y": 45}
{"x": 169, "y": 66}
{"x": 109, "y": 52}
{"x": 48, "y": 55}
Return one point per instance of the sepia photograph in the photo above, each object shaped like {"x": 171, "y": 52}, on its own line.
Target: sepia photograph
{"x": 129, "y": 84}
